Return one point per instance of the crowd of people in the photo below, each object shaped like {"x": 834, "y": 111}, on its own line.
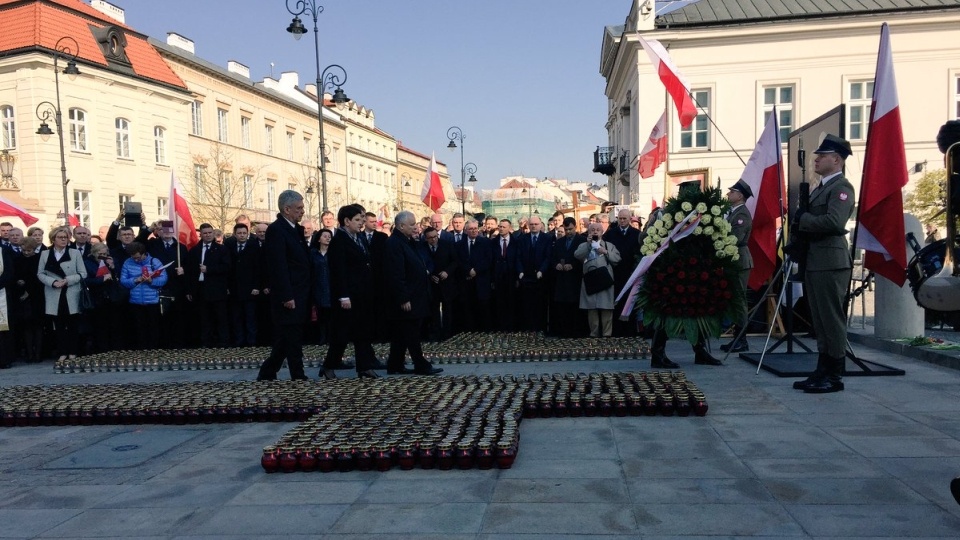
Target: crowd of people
{"x": 146, "y": 290}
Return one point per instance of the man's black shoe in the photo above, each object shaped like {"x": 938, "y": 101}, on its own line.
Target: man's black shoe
{"x": 825, "y": 386}
{"x": 735, "y": 346}
{"x": 663, "y": 363}
{"x": 428, "y": 370}
{"x": 401, "y": 371}
{"x": 300, "y": 378}
{"x": 266, "y": 378}
{"x": 809, "y": 381}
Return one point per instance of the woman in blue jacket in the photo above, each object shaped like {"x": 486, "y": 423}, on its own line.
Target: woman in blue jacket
{"x": 144, "y": 276}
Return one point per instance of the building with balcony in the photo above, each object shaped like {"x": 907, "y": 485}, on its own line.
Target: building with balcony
{"x": 743, "y": 59}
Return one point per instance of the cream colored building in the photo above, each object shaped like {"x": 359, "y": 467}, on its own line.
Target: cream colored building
{"x": 740, "y": 64}
{"x": 371, "y": 160}
{"x": 123, "y": 117}
{"x": 249, "y": 142}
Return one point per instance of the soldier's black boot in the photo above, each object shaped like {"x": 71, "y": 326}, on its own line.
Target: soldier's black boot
{"x": 814, "y": 377}
{"x": 658, "y": 352}
{"x": 832, "y": 380}
{"x": 703, "y": 357}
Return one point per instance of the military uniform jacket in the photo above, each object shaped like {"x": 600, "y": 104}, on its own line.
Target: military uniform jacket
{"x": 826, "y": 220}
{"x": 741, "y": 224}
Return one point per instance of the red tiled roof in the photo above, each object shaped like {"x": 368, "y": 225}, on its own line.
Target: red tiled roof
{"x": 41, "y": 23}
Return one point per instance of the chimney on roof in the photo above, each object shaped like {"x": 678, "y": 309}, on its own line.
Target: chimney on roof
{"x": 236, "y": 67}
{"x": 108, "y": 9}
{"x": 180, "y": 42}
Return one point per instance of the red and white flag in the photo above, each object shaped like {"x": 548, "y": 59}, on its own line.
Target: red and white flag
{"x": 183, "y": 227}
{"x": 880, "y": 230}
{"x": 73, "y": 220}
{"x": 432, "y": 193}
{"x": 764, "y": 175}
{"x": 102, "y": 269}
{"x": 382, "y": 216}
{"x": 10, "y": 208}
{"x": 675, "y": 83}
{"x": 655, "y": 151}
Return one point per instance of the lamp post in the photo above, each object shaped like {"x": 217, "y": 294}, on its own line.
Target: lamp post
{"x": 331, "y": 76}
{"x": 456, "y": 134}
{"x": 46, "y": 109}
{"x": 7, "y": 161}
{"x": 312, "y": 181}
{"x": 401, "y": 185}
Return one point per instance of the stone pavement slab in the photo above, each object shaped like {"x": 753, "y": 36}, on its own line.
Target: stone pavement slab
{"x": 766, "y": 462}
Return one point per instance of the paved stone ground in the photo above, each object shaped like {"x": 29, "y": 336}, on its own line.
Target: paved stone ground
{"x": 767, "y": 461}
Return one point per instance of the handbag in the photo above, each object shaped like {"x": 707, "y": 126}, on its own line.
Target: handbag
{"x": 598, "y": 279}
{"x": 166, "y": 304}
{"x": 86, "y": 300}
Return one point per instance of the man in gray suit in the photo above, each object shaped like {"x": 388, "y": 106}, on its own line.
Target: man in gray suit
{"x": 828, "y": 263}
{"x": 741, "y": 224}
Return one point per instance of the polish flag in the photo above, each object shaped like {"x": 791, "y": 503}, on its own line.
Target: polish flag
{"x": 102, "y": 269}
{"x": 73, "y": 220}
{"x": 432, "y": 193}
{"x": 653, "y": 204}
{"x": 382, "y": 216}
{"x": 880, "y": 230}
{"x": 675, "y": 83}
{"x": 764, "y": 175}
{"x": 184, "y": 229}
{"x": 10, "y": 208}
{"x": 655, "y": 151}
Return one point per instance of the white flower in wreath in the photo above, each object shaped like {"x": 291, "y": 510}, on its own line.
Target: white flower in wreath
{"x": 730, "y": 240}
{"x": 736, "y": 257}
{"x": 701, "y": 208}
{"x": 678, "y": 217}
{"x": 721, "y": 254}
{"x": 730, "y": 250}
{"x": 667, "y": 220}
{"x": 708, "y": 230}
{"x": 706, "y": 219}
{"x": 715, "y": 210}
{"x": 686, "y": 206}
{"x": 718, "y": 245}
{"x": 698, "y": 231}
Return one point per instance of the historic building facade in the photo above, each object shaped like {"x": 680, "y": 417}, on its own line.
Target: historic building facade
{"x": 741, "y": 64}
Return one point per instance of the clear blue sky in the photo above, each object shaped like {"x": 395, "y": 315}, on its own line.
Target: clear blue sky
{"x": 520, "y": 77}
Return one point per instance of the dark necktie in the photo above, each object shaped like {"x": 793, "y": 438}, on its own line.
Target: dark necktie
{"x": 533, "y": 240}
{"x": 240, "y": 247}
{"x": 503, "y": 250}
{"x": 433, "y": 249}
{"x": 624, "y": 231}
{"x": 168, "y": 244}
{"x": 469, "y": 247}
{"x": 456, "y": 237}
{"x": 360, "y": 243}
{"x": 370, "y": 237}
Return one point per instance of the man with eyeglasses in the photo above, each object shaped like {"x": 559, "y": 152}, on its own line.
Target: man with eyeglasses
{"x": 441, "y": 264}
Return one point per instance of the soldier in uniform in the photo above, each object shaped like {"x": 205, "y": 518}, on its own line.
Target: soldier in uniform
{"x": 828, "y": 264}
{"x": 741, "y": 224}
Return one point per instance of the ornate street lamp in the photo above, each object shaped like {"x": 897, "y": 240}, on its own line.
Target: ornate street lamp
{"x": 67, "y": 48}
{"x": 7, "y": 161}
{"x": 333, "y": 76}
{"x": 456, "y": 134}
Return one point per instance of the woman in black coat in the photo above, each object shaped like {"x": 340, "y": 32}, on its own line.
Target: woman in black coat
{"x": 29, "y": 313}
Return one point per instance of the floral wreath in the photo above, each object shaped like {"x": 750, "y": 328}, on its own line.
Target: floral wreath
{"x": 693, "y": 284}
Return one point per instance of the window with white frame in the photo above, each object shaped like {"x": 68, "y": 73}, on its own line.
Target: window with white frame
{"x": 245, "y": 131}
{"x": 335, "y": 158}
{"x": 222, "y": 125}
{"x": 247, "y": 191}
{"x": 956, "y": 97}
{"x": 122, "y": 200}
{"x": 858, "y": 109}
{"x": 782, "y": 97}
{"x": 290, "y": 146}
{"x": 163, "y": 207}
{"x": 196, "y": 116}
{"x": 307, "y": 154}
{"x": 9, "y": 127}
{"x": 160, "y": 145}
{"x": 353, "y": 170}
{"x": 81, "y": 207}
{"x": 271, "y": 195}
{"x": 122, "y": 130}
{"x": 268, "y": 139}
{"x": 698, "y": 134}
{"x": 77, "y": 126}
{"x": 199, "y": 171}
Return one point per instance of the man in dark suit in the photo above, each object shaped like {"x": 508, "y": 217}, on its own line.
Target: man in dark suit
{"x": 246, "y": 282}
{"x": 827, "y": 274}
{"x": 175, "y": 331}
{"x": 533, "y": 259}
{"x": 456, "y": 234}
{"x": 288, "y": 275}
{"x": 81, "y": 240}
{"x": 408, "y": 298}
{"x": 626, "y": 239}
{"x": 476, "y": 262}
{"x": 566, "y": 317}
{"x": 7, "y": 297}
{"x": 741, "y": 223}
{"x": 377, "y": 243}
{"x": 504, "y": 278}
{"x": 441, "y": 262}
{"x": 351, "y": 279}
{"x": 208, "y": 265}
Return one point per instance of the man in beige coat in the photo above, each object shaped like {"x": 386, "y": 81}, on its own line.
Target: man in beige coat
{"x": 598, "y": 253}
